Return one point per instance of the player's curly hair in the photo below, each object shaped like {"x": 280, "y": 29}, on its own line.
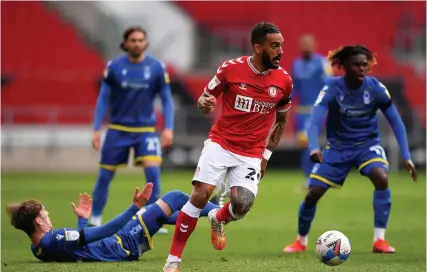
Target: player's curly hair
{"x": 260, "y": 31}
{"x": 129, "y": 32}
{"x": 22, "y": 215}
{"x": 339, "y": 56}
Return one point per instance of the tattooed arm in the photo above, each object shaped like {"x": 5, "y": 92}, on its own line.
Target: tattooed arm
{"x": 278, "y": 128}
{"x": 275, "y": 136}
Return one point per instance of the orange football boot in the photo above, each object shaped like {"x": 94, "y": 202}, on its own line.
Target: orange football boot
{"x": 295, "y": 247}
{"x": 218, "y": 239}
{"x": 381, "y": 246}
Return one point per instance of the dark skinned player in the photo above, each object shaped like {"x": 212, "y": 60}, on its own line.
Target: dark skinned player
{"x": 351, "y": 103}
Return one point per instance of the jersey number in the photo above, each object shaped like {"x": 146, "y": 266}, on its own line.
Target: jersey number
{"x": 153, "y": 144}
{"x": 251, "y": 174}
{"x": 379, "y": 150}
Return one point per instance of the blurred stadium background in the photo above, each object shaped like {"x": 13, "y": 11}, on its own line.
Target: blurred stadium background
{"x": 53, "y": 55}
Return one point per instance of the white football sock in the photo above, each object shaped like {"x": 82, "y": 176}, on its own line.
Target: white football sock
{"x": 96, "y": 220}
{"x": 172, "y": 258}
{"x": 379, "y": 234}
{"x": 303, "y": 239}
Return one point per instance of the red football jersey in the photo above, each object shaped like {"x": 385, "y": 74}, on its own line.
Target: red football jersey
{"x": 250, "y": 101}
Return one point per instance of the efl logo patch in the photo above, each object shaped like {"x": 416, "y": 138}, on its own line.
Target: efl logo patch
{"x": 72, "y": 235}
{"x": 213, "y": 83}
{"x": 320, "y": 97}
{"x": 243, "y": 103}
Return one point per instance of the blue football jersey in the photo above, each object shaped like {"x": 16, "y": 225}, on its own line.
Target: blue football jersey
{"x": 352, "y": 114}
{"x": 63, "y": 245}
{"x": 133, "y": 88}
{"x": 309, "y": 76}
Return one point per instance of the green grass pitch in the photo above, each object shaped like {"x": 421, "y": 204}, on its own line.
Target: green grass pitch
{"x": 254, "y": 244}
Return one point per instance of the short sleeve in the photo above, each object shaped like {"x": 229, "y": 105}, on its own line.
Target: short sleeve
{"x": 217, "y": 84}
{"x": 286, "y": 103}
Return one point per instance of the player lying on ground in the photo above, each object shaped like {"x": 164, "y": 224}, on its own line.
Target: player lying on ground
{"x": 124, "y": 238}
{"x": 353, "y": 139}
{"x": 256, "y": 94}
{"x": 131, "y": 83}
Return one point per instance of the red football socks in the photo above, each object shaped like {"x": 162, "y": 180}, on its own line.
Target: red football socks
{"x": 184, "y": 226}
{"x": 223, "y": 214}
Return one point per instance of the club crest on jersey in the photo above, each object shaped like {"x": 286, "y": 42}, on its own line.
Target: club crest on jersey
{"x": 147, "y": 72}
{"x": 272, "y": 91}
{"x": 124, "y": 72}
{"x": 213, "y": 83}
{"x": 366, "y": 97}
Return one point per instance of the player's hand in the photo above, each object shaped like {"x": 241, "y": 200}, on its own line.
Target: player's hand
{"x": 166, "y": 138}
{"x": 206, "y": 104}
{"x": 84, "y": 207}
{"x": 96, "y": 140}
{"x": 264, "y": 163}
{"x": 411, "y": 168}
{"x": 316, "y": 156}
{"x": 141, "y": 197}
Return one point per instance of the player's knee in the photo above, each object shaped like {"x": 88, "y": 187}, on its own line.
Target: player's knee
{"x": 242, "y": 200}
{"x": 200, "y": 194}
{"x": 313, "y": 196}
{"x": 379, "y": 178}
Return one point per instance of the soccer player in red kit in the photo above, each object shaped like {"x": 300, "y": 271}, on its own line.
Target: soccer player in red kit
{"x": 256, "y": 94}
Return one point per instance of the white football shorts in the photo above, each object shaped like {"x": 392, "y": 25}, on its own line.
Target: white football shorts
{"x": 217, "y": 164}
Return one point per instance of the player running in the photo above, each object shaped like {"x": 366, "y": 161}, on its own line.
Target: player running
{"x": 352, "y": 140}
{"x": 125, "y": 238}
{"x": 256, "y": 94}
{"x": 131, "y": 83}
{"x": 309, "y": 74}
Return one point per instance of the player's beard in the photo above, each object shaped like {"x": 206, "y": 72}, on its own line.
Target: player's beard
{"x": 267, "y": 62}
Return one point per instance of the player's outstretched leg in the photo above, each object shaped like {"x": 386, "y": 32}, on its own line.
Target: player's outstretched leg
{"x": 382, "y": 205}
{"x": 306, "y": 213}
{"x": 241, "y": 200}
{"x": 186, "y": 223}
{"x": 100, "y": 195}
{"x": 180, "y": 198}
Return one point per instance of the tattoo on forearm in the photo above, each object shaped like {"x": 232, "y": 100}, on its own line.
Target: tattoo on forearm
{"x": 278, "y": 128}
{"x": 242, "y": 200}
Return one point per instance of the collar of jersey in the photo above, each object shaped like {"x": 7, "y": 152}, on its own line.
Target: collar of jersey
{"x": 254, "y": 69}
{"x": 349, "y": 91}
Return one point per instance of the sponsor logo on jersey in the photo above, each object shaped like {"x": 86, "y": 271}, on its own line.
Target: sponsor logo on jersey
{"x": 213, "y": 83}
{"x": 248, "y": 104}
{"x": 135, "y": 230}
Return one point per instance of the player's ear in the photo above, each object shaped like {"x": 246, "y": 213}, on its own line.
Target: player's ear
{"x": 38, "y": 221}
{"x": 257, "y": 48}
